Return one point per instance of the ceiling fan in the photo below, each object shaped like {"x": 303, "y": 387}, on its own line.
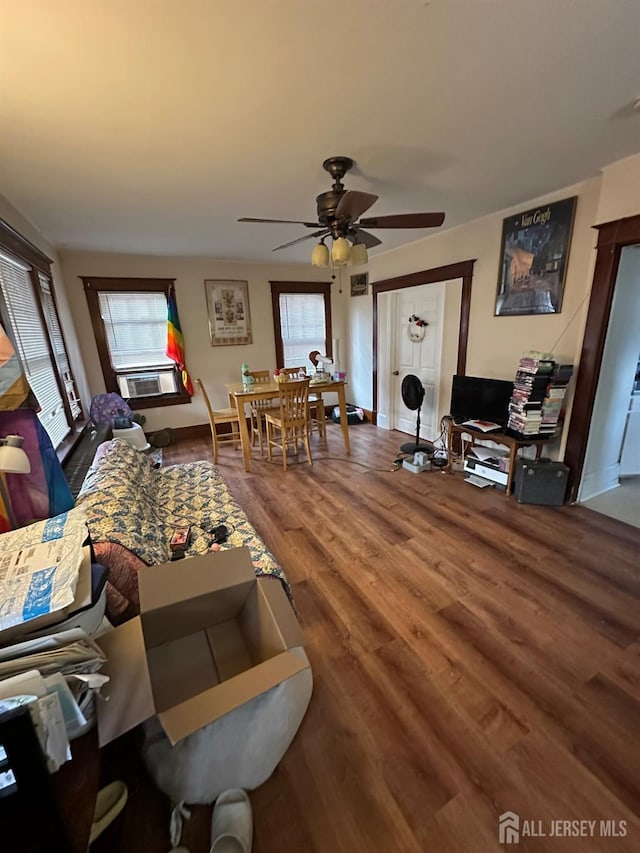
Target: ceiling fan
{"x": 339, "y": 215}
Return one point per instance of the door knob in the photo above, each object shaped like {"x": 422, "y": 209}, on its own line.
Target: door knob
{"x": 396, "y": 373}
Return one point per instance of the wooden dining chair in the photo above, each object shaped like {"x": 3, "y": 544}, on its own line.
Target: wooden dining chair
{"x": 316, "y": 405}
{"x": 218, "y": 417}
{"x": 289, "y": 426}
{"x": 259, "y": 408}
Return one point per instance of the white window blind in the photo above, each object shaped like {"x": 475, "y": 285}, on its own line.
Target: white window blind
{"x": 302, "y": 326}
{"x": 32, "y": 345}
{"x": 57, "y": 342}
{"x": 136, "y": 328}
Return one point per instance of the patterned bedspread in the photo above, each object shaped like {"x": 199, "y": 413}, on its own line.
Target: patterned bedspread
{"x": 132, "y": 510}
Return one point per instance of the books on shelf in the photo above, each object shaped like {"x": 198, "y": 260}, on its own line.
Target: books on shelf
{"x": 539, "y": 389}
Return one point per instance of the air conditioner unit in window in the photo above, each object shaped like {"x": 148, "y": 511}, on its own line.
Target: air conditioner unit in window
{"x": 144, "y": 385}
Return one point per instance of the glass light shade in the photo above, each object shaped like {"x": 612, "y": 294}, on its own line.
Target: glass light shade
{"x": 13, "y": 459}
{"x": 320, "y": 256}
{"x": 340, "y": 252}
{"x": 359, "y": 255}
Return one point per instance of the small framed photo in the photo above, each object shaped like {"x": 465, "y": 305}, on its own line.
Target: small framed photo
{"x": 359, "y": 284}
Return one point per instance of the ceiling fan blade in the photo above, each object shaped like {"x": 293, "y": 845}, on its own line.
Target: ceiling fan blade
{"x": 353, "y": 204}
{"x": 369, "y": 240}
{"x": 322, "y": 233}
{"x": 404, "y": 220}
{"x": 286, "y": 221}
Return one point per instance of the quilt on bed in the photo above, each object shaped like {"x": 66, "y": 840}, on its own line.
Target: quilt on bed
{"x": 132, "y": 509}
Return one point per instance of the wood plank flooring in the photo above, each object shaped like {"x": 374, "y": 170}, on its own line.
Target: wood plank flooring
{"x": 471, "y": 655}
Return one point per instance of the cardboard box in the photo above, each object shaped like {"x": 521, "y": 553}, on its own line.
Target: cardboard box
{"x": 210, "y": 637}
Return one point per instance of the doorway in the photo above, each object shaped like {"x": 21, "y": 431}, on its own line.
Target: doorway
{"x": 611, "y": 476}
{"x": 410, "y": 349}
{"x": 613, "y": 238}
{"x": 455, "y": 329}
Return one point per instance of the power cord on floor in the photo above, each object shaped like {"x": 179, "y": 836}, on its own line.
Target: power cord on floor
{"x": 278, "y": 462}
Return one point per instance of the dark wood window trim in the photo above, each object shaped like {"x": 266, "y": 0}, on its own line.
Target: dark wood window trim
{"x": 612, "y": 238}
{"x": 92, "y": 286}
{"x": 14, "y": 243}
{"x": 435, "y": 275}
{"x": 278, "y": 287}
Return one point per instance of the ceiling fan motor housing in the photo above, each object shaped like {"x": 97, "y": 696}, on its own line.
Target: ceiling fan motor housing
{"x": 326, "y": 203}
{"x": 326, "y": 206}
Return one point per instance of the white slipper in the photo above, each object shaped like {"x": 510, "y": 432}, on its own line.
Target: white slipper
{"x": 232, "y": 823}
{"x": 109, "y": 803}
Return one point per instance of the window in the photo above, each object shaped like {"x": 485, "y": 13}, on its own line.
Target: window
{"x": 30, "y": 317}
{"x": 301, "y": 320}
{"x": 129, "y": 317}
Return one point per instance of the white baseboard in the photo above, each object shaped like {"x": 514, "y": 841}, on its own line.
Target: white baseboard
{"x": 597, "y": 482}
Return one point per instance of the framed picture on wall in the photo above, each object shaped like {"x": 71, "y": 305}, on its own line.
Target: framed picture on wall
{"x": 228, "y": 312}
{"x": 359, "y": 284}
{"x": 533, "y": 259}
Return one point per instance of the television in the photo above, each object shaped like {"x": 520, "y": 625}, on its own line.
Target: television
{"x": 476, "y": 398}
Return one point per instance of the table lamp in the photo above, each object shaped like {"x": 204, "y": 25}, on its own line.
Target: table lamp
{"x": 13, "y": 460}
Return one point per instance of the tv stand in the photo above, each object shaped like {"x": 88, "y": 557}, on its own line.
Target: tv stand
{"x": 514, "y": 444}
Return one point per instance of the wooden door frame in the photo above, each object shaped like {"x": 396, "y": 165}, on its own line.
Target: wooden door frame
{"x": 436, "y": 275}
{"x": 612, "y": 238}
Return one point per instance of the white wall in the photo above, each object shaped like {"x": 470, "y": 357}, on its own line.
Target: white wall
{"x": 620, "y": 195}
{"x": 14, "y": 218}
{"x": 214, "y": 365}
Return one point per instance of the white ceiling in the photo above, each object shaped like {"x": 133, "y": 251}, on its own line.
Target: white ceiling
{"x": 150, "y": 126}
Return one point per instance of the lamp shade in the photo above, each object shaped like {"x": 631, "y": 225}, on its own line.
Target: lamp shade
{"x": 13, "y": 459}
{"x": 340, "y": 252}
{"x": 320, "y": 256}
{"x": 359, "y": 254}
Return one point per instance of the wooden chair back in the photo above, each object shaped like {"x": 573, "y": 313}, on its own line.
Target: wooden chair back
{"x": 291, "y": 419}
{"x": 220, "y": 416}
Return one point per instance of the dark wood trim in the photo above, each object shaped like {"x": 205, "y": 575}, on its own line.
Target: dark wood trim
{"x": 53, "y": 357}
{"x": 278, "y": 287}
{"x": 151, "y": 285}
{"x": 195, "y": 431}
{"x": 92, "y": 286}
{"x": 463, "y": 270}
{"x": 14, "y": 242}
{"x": 612, "y": 238}
{"x": 181, "y": 398}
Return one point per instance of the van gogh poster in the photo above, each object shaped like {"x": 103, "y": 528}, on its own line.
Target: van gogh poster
{"x": 533, "y": 259}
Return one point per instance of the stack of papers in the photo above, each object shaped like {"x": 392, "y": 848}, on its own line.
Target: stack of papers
{"x": 67, "y": 652}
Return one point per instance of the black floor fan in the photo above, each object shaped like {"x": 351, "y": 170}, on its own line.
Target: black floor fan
{"x": 412, "y": 396}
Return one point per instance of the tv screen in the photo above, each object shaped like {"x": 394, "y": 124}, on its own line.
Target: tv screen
{"x": 473, "y": 397}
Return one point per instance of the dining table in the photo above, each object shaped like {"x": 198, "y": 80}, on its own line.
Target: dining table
{"x": 240, "y": 395}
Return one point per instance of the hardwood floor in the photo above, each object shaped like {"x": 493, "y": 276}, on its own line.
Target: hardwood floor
{"x": 471, "y": 655}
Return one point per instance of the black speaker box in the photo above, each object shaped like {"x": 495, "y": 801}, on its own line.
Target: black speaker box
{"x": 540, "y": 482}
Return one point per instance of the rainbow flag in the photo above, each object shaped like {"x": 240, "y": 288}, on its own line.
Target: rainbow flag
{"x": 175, "y": 340}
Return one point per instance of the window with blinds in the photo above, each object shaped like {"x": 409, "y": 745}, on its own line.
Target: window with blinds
{"x": 136, "y": 329}
{"x": 302, "y": 326}
{"x": 129, "y": 319}
{"x": 33, "y": 345}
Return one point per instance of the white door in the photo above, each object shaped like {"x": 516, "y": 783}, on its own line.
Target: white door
{"x": 418, "y": 357}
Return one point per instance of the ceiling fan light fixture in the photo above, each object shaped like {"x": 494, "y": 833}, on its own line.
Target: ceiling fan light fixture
{"x": 340, "y": 252}
{"x": 320, "y": 255}
{"x": 359, "y": 255}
